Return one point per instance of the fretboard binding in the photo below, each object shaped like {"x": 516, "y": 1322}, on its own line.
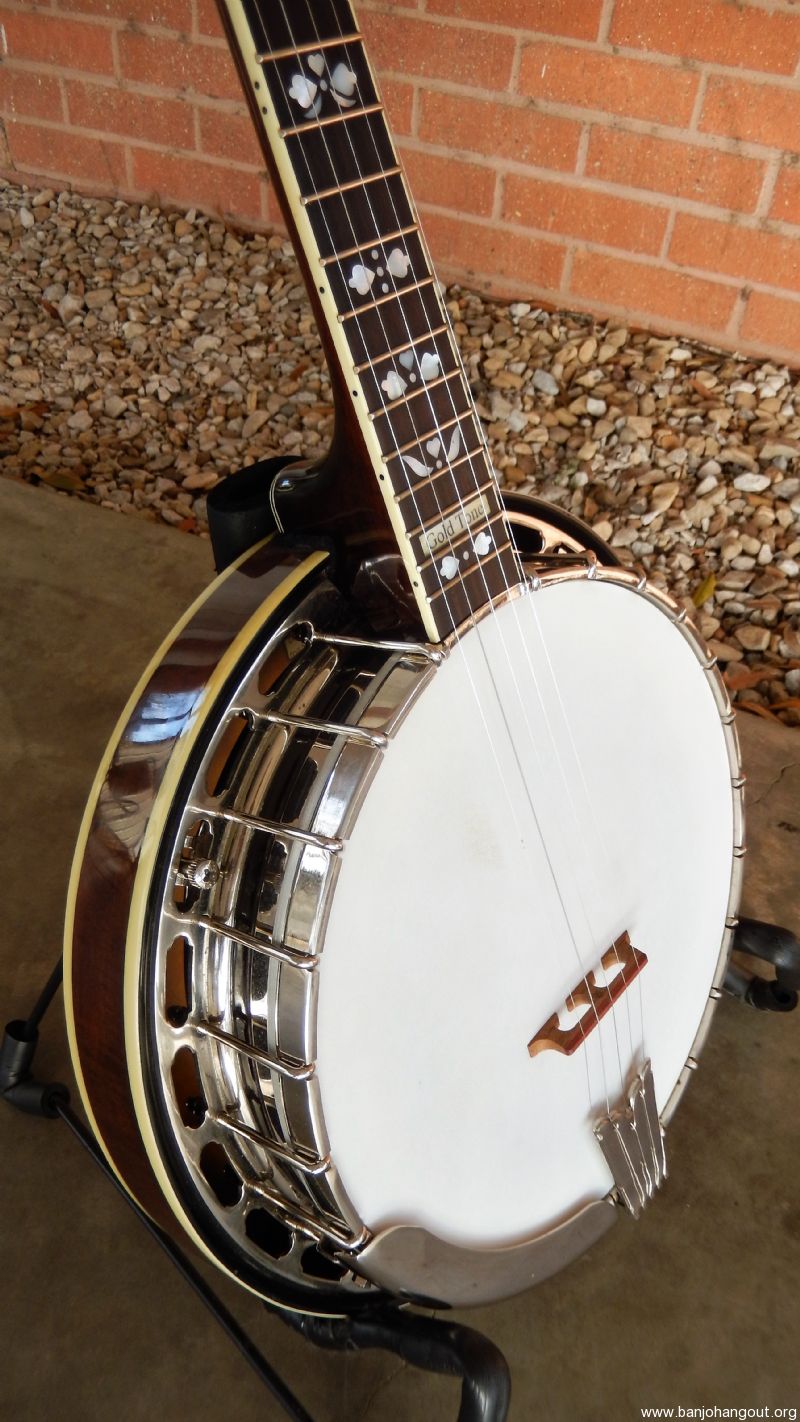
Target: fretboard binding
{"x": 269, "y": 56}
{"x": 437, "y": 474}
{"x": 332, "y": 118}
{"x": 442, "y": 592}
{"x": 412, "y": 395}
{"x": 354, "y": 183}
{"x": 390, "y": 296}
{"x": 462, "y": 538}
{"x": 429, "y": 434}
{"x": 440, "y": 514}
{"x": 406, "y": 346}
{"x": 373, "y": 242}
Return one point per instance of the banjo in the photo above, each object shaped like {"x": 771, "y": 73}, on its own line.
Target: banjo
{"x": 405, "y": 889}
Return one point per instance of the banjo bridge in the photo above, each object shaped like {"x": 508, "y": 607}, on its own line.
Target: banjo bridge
{"x": 618, "y": 967}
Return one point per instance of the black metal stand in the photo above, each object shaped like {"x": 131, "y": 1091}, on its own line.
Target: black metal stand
{"x": 774, "y": 945}
{"x": 431, "y": 1344}
{"x": 427, "y": 1343}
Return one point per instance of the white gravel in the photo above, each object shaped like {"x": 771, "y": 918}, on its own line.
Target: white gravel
{"x": 145, "y": 354}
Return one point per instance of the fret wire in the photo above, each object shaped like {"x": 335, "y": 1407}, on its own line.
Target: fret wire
{"x": 311, "y": 125}
{"x": 391, "y": 296}
{"x": 452, "y": 543}
{"x": 442, "y": 591}
{"x": 406, "y": 399}
{"x": 396, "y": 350}
{"x": 418, "y": 439}
{"x": 451, "y": 508}
{"x": 437, "y": 473}
{"x": 373, "y": 242}
{"x": 354, "y": 183}
{"x": 270, "y": 56}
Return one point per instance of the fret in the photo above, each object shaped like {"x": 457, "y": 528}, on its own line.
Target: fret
{"x": 362, "y": 217}
{"x": 435, "y": 433}
{"x": 411, "y": 468}
{"x": 446, "y": 586}
{"x": 471, "y": 456}
{"x": 458, "y": 544}
{"x": 377, "y": 270}
{"x": 414, "y": 367}
{"x": 327, "y": 161}
{"x": 422, "y": 501}
{"x": 354, "y": 183}
{"x": 392, "y": 296}
{"x": 319, "y": 83}
{"x": 415, "y": 315}
{"x": 454, "y": 604}
{"x": 432, "y": 404}
{"x": 403, "y": 401}
{"x": 297, "y": 29}
{"x": 305, "y": 48}
{"x": 331, "y": 119}
{"x": 489, "y": 487}
{"x": 406, "y": 346}
{"x": 353, "y": 251}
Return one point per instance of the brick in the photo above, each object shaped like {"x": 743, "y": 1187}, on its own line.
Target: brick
{"x": 171, "y": 178}
{"x": 786, "y": 200}
{"x": 50, "y": 39}
{"x": 652, "y": 291}
{"x": 433, "y": 51}
{"x": 66, "y": 154}
{"x": 224, "y": 135}
{"x": 669, "y": 166}
{"x": 30, "y": 95}
{"x": 445, "y": 182}
{"x": 758, "y": 113}
{"x": 579, "y": 20}
{"x": 112, "y": 110}
{"x": 632, "y": 87}
{"x": 580, "y": 212}
{"x": 499, "y": 130}
{"x": 772, "y": 321}
{"x": 169, "y": 14}
{"x": 178, "y": 65}
{"x": 398, "y": 99}
{"x": 742, "y": 36}
{"x": 208, "y": 20}
{"x": 725, "y": 247}
{"x": 494, "y": 251}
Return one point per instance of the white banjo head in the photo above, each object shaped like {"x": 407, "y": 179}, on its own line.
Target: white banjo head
{"x": 564, "y": 778}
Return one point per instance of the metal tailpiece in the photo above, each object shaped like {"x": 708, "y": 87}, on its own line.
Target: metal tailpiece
{"x": 632, "y": 1142}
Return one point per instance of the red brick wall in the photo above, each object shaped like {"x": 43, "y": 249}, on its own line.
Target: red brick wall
{"x": 638, "y": 158}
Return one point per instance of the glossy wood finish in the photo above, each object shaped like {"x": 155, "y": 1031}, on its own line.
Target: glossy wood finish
{"x": 162, "y": 708}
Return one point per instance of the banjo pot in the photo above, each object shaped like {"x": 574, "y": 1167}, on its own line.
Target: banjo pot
{"x": 346, "y": 983}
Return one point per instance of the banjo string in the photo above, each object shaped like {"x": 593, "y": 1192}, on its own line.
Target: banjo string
{"x": 508, "y": 658}
{"x": 444, "y": 590}
{"x": 540, "y": 697}
{"x": 476, "y": 697}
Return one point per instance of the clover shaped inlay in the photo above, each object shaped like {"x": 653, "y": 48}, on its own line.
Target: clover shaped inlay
{"x": 340, "y": 83}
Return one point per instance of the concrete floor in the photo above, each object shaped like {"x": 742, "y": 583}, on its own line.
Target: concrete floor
{"x": 698, "y": 1304}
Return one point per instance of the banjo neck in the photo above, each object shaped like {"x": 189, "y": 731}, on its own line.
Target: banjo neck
{"x": 408, "y": 435}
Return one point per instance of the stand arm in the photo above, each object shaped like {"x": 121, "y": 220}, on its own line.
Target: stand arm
{"x": 428, "y": 1343}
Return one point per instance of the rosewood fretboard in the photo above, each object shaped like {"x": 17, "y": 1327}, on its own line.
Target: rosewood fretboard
{"x": 325, "y": 130}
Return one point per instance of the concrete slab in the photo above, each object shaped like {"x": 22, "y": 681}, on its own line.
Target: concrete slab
{"x": 696, "y": 1305}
